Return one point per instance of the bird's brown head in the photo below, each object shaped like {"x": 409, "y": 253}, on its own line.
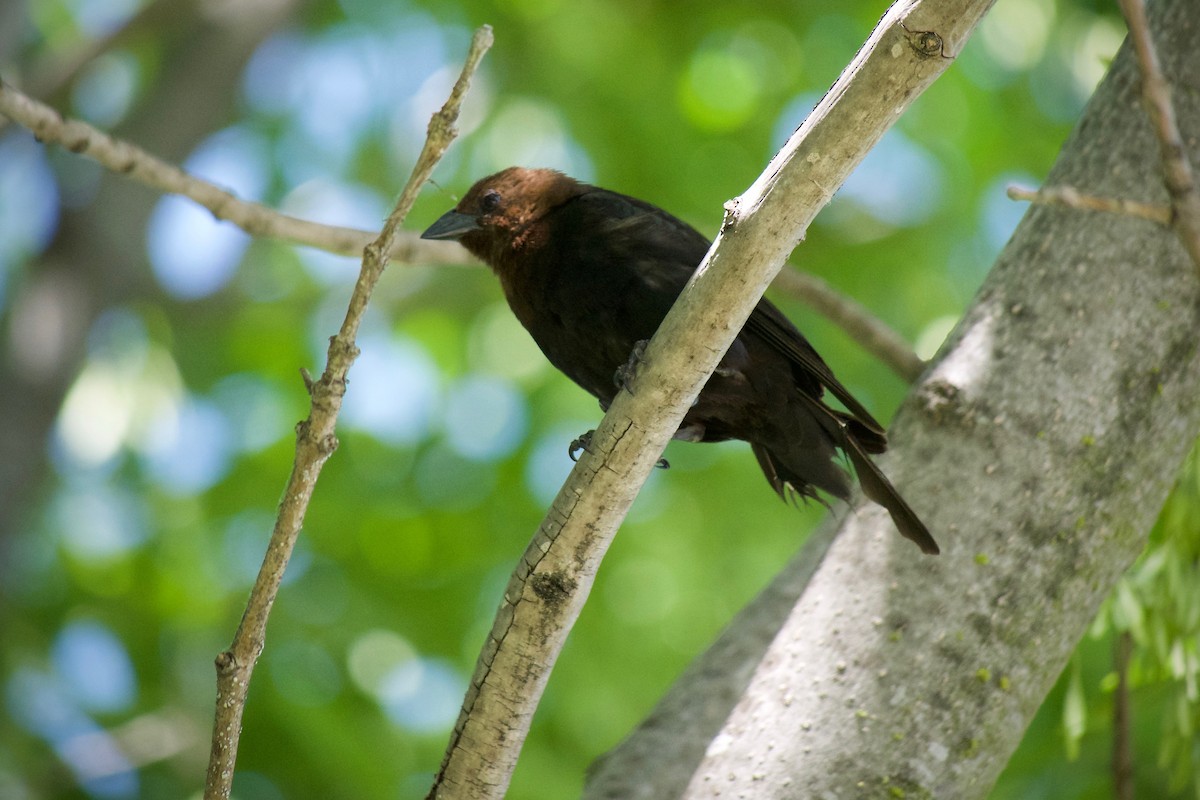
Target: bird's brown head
{"x": 498, "y": 216}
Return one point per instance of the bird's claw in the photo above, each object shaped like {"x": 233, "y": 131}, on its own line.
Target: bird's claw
{"x": 584, "y": 440}
{"x": 623, "y": 377}
{"x": 580, "y": 442}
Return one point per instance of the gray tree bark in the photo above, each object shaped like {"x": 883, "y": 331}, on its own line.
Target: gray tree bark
{"x": 1039, "y": 448}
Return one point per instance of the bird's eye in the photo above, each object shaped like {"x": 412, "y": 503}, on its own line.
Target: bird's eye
{"x": 490, "y": 201}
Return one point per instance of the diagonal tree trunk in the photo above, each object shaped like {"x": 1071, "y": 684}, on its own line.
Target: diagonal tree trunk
{"x": 1039, "y": 447}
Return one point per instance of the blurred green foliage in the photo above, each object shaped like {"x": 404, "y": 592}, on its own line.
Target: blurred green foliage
{"x": 128, "y": 568}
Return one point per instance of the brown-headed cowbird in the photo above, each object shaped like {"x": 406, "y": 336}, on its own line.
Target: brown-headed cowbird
{"x": 591, "y": 273}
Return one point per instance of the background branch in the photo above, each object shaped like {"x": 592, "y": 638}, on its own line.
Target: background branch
{"x": 315, "y": 442}
{"x": 255, "y": 219}
{"x": 1070, "y": 197}
{"x": 871, "y": 333}
{"x": 1122, "y": 752}
{"x": 1156, "y": 94}
{"x": 551, "y": 584}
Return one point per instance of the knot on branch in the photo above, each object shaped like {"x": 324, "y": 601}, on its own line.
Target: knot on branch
{"x": 552, "y": 587}
{"x": 925, "y": 43}
{"x": 324, "y": 443}
{"x": 732, "y": 210}
{"x": 374, "y": 253}
{"x": 442, "y": 124}
{"x": 327, "y": 445}
{"x": 225, "y": 662}
{"x": 341, "y": 352}
{"x": 945, "y": 403}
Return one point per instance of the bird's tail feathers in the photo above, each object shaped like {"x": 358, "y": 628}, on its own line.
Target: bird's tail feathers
{"x": 869, "y": 439}
{"x": 800, "y": 473}
{"x": 877, "y": 487}
{"x": 857, "y": 440}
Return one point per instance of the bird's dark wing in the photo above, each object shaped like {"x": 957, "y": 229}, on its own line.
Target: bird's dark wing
{"x": 649, "y": 252}
{"x": 653, "y": 238}
{"x": 769, "y": 323}
{"x": 664, "y": 251}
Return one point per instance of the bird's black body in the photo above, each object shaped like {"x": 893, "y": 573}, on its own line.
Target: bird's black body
{"x": 590, "y": 273}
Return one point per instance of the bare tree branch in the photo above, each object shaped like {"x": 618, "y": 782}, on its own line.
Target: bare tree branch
{"x": 256, "y": 219}
{"x": 1070, "y": 197}
{"x": 1122, "y": 753}
{"x": 912, "y": 45}
{"x": 1156, "y": 92}
{"x": 315, "y": 442}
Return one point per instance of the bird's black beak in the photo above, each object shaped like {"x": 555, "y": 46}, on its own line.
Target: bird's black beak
{"x": 451, "y": 225}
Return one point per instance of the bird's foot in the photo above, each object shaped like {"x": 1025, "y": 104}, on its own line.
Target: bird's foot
{"x": 580, "y": 442}
{"x": 623, "y": 377}
{"x": 584, "y": 440}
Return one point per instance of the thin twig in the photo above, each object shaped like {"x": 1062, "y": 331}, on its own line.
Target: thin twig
{"x": 1122, "y": 763}
{"x": 871, "y": 333}
{"x": 1177, "y": 170}
{"x": 1070, "y": 197}
{"x": 255, "y": 219}
{"x": 315, "y": 442}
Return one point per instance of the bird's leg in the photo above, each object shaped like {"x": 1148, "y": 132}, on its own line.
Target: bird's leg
{"x": 623, "y": 377}
{"x": 584, "y": 440}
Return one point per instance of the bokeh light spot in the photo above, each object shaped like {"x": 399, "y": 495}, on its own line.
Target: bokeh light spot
{"x": 99, "y": 18}
{"x": 448, "y": 481}
{"x": 423, "y": 694}
{"x": 1014, "y": 33}
{"x": 193, "y": 253}
{"x": 1000, "y": 215}
{"x": 641, "y": 591}
{"x": 722, "y": 85}
{"x": 393, "y": 391}
{"x": 1094, "y": 52}
{"x": 255, "y": 409}
{"x": 530, "y": 133}
{"x": 97, "y": 522}
{"x": 304, "y": 672}
{"x": 105, "y": 90}
{"x": 95, "y": 666}
{"x": 499, "y": 345}
{"x": 331, "y": 203}
{"x": 28, "y": 201}
{"x": 41, "y": 705}
{"x": 485, "y": 417}
{"x": 372, "y": 658}
{"x": 898, "y": 182}
{"x": 930, "y": 340}
{"x": 125, "y": 384}
{"x": 188, "y": 449}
